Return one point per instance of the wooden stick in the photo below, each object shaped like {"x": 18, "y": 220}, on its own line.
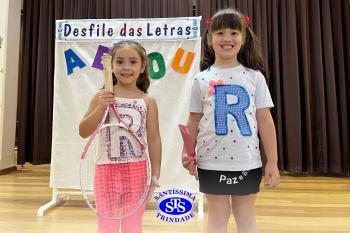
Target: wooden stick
{"x": 107, "y": 70}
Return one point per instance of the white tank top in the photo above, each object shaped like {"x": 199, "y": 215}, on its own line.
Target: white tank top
{"x": 116, "y": 143}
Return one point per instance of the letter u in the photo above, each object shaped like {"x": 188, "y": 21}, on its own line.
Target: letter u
{"x": 188, "y": 62}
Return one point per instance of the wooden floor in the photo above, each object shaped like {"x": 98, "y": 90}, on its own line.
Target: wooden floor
{"x": 299, "y": 205}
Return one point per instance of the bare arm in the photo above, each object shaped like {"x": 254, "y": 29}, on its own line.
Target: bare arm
{"x": 267, "y": 133}
{"x": 192, "y": 124}
{"x": 95, "y": 112}
{"x": 153, "y": 139}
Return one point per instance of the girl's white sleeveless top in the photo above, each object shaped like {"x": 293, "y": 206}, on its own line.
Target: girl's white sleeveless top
{"x": 116, "y": 144}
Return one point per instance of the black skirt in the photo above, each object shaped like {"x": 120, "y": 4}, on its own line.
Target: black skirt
{"x": 229, "y": 182}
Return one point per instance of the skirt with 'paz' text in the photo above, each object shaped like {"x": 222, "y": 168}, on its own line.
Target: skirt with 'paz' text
{"x": 229, "y": 182}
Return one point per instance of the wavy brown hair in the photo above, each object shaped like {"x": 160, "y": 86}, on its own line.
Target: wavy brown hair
{"x": 143, "y": 81}
{"x": 249, "y": 55}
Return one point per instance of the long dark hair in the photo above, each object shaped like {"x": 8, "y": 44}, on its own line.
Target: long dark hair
{"x": 143, "y": 81}
{"x": 250, "y": 53}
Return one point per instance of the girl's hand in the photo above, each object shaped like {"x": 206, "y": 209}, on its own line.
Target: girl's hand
{"x": 272, "y": 175}
{"x": 154, "y": 184}
{"x": 189, "y": 164}
{"x": 105, "y": 99}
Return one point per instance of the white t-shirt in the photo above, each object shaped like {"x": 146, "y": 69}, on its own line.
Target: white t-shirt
{"x": 228, "y": 131}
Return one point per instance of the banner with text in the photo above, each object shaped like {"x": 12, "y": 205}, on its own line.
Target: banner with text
{"x": 133, "y": 29}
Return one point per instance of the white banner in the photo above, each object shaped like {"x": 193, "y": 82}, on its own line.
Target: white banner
{"x": 78, "y": 75}
{"x": 133, "y": 29}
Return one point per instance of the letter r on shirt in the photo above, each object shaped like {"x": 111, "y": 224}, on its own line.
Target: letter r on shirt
{"x": 223, "y": 108}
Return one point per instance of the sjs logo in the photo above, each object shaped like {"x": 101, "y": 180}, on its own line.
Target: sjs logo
{"x": 175, "y": 205}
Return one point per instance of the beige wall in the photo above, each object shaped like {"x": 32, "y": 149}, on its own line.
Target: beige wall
{"x": 10, "y": 13}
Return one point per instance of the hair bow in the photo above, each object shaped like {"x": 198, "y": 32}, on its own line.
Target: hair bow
{"x": 246, "y": 20}
{"x": 208, "y": 22}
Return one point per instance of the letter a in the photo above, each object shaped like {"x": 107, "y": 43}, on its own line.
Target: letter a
{"x": 72, "y": 60}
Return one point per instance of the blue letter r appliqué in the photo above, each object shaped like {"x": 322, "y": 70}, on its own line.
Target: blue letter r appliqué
{"x": 222, "y": 109}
